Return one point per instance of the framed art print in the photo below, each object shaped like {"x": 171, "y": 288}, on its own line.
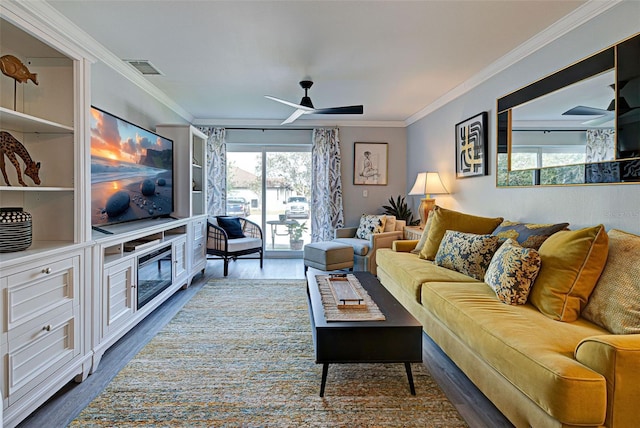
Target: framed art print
{"x": 370, "y": 163}
{"x": 472, "y": 146}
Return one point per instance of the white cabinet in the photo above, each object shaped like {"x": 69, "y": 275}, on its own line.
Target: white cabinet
{"x": 179, "y": 255}
{"x": 198, "y": 244}
{"x": 43, "y": 345}
{"x": 190, "y": 160}
{"x": 44, "y": 289}
{"x": 45, "y": 120}
{"x": 117, "y": 295}
{"x": 135, "y": 269}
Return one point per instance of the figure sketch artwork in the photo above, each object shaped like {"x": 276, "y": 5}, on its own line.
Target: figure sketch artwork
{"x": 472, "y": 146}
{"x": 370, "y": 163}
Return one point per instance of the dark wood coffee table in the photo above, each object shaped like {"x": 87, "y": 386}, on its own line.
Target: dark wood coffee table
{"x": 398, "y": 339}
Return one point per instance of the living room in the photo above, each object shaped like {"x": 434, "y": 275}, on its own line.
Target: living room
{"x": 420, "y": 141}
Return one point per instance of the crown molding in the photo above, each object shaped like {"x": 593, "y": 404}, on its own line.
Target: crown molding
{"x": 584, "y": 13}
{"x": 300, "y": 123}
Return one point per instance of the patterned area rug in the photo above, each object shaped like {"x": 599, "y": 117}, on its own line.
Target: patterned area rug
{"x": 240, "y": 353}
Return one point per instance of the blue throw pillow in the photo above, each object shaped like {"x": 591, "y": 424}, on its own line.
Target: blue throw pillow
{"x": 232, "y": 226}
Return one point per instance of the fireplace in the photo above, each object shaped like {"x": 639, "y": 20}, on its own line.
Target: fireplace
{"x": 154, "y": 274}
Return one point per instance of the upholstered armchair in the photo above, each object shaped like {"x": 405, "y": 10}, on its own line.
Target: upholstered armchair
{"x": 364, "y": 250}
{"x": 231, "y": 238}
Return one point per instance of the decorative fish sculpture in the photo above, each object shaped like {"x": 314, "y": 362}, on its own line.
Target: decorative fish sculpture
{"x": 13, "y": 67}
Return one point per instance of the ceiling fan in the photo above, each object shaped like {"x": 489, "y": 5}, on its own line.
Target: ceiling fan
{"x": 604, "y": 115}
{"x": 306, "y": 106}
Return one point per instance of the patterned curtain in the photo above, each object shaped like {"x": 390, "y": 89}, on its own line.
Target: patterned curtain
{"x": 216, "y": 170}
{"x": 326, "y": 186}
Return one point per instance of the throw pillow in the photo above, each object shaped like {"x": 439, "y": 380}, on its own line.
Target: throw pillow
{"x": 390, "y": 223}
{"x": 370, "y": 224}
{"x": 466, "y": 253}
{"x": 615, "y": 302}
{"x": 232, "y": 226}
{"x": 444, "y": 220}
{"x": 512, "y": 271}
{"x": 572, "y": 261}
{"x": 530, "y": 235}
{"x": 424, "y": 236}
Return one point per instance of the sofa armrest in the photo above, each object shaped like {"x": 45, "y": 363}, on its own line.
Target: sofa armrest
{"x": 345, "y": 232}
{"x": 384, "y": 239}
{"x": 617, "y": 358}
{"x": 404, "y": 245}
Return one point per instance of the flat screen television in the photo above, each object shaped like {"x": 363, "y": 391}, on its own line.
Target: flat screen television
{"x": 131, "y": 171}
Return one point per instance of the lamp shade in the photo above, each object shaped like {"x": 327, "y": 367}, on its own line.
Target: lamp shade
{"x": 428, "y": 183}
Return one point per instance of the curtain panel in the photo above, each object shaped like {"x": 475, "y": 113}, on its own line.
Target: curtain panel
{"x": 326, "y": 187}
{"x": 216, "y": 173}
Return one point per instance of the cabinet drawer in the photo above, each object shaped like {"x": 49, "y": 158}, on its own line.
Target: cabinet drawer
{"x": 36, "y": 291}
{"x": 38, "y": 353}
{"x": 198, "y": 250}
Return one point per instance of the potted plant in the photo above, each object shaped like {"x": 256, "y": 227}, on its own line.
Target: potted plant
{"x": 400, "y": 210}
{"x": 295, "y": 235}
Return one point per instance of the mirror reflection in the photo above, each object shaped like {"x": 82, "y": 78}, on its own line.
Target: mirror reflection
{"x": 580, "y": 125}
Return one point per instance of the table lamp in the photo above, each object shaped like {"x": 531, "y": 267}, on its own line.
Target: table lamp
{"x": 427, "y": 183}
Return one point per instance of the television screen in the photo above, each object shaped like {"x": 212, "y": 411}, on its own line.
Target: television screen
{"x": 131, "y": 171}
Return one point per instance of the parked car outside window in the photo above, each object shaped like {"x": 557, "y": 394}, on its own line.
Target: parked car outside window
{"x": 296, "y": 207}
{"x": 238, "y": 207}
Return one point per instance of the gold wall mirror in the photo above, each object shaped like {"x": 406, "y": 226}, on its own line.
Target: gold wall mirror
{"x": 580, "y": 125}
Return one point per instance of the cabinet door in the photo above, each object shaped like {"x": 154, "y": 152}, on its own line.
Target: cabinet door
{"x": 118, "y": 303}
{"x": 179, "y": 258}
{"x": 198, "y": 253}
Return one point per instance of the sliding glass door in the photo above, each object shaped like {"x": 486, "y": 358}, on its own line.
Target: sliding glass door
{"x": 273, "y": 184}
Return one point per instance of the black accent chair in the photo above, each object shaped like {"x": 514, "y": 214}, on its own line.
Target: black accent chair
{"x": 220, "y": 246}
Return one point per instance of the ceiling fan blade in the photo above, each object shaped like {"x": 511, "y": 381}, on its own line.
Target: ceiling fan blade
{"x": 340, "y": 110}
{"x": 585, "y": 111}
{"x": 296, "y": 114}
{"x": 290, "y": 104}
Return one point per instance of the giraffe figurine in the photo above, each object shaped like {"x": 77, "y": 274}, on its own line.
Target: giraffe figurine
{"x": 11, "y": 147}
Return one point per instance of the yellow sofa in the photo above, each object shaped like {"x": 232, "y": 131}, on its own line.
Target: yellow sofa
{"x": 538, "y": 371}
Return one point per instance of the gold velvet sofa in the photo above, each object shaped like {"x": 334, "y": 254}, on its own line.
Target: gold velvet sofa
{"x": 537, "y": 364}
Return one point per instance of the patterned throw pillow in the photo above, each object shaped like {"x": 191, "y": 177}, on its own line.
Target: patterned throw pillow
{"x": 370, "y": 224}
{"x": 615, "y": 302}
{"x": 530, "y": 235}
{"x": 444, "y": 219}
{"x": 512, "y": 272}
{"x": 466, "y": 253}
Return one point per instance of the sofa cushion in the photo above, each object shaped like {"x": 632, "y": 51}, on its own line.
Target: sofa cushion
{"x": 241, "y": 244}
{"x": 615, "y": 301}
{"x": 572, "y": 261}
{"x": 466, "y": 253}
{"x": 232, "y": 226}
{"x": 529, "y": 235}
{"x": 361, "y": 247}
{"x": 512, "y": 272}
{"x": 532, "y": 351}
{"x": 370, "y": 224}
{"x": 424, "y": 236}
{"x": 390, "y": 223}
{"x": 411, "y": 272}
{"x": 444, "y": 219}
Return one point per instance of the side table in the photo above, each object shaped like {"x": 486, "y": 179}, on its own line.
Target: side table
{"x": 413, "y": 232}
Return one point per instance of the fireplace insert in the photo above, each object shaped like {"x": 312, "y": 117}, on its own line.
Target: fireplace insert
{"x": 154, "y": 274}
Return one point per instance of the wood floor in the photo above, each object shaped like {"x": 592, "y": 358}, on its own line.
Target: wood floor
{"x": 62, "y": 408}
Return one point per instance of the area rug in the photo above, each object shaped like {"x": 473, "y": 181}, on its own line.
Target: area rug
{"x": 240, "y": 354}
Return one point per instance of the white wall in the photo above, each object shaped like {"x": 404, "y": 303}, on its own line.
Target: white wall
{"x": 355, "y": 204}
{"x": 115, "y": 94}
{"x": 430, "y": 141}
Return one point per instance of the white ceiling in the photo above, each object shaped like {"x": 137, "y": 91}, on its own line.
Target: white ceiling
{"x": 397, "y": 58}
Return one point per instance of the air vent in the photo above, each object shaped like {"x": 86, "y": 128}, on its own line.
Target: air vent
{"x": 144, "y": 67}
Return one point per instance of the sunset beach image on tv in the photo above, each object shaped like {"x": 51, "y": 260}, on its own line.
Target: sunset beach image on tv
{"x": 131, "y": 171}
